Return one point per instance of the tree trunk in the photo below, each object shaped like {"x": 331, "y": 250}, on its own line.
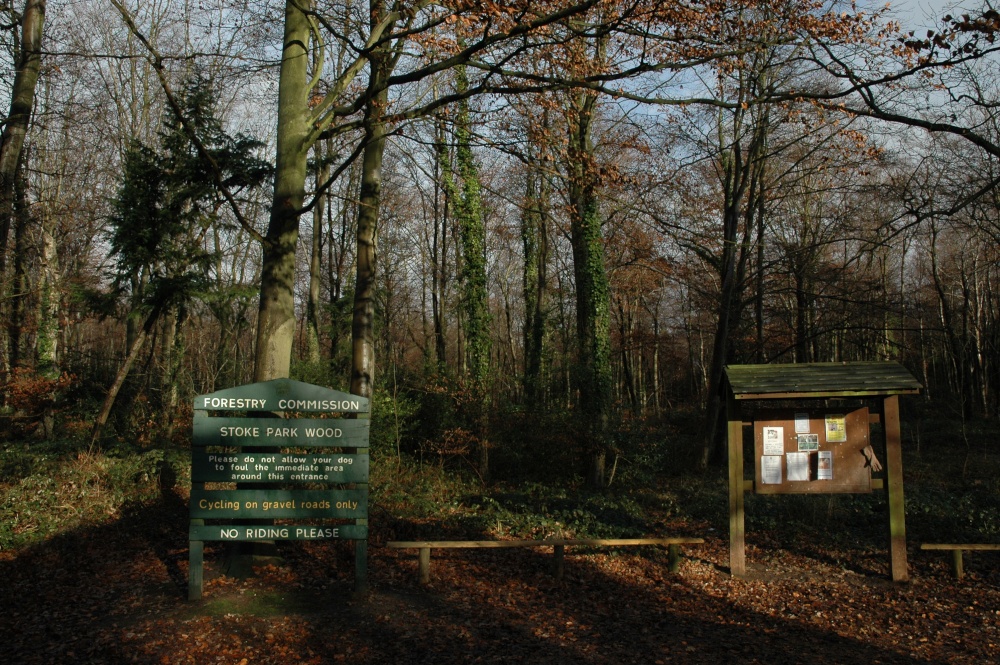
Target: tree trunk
{"x": 801, "y": 317}
{"x": 15, "y": 128}
{"x": 593, "y": 323}
{"x": 322, "y": 154}
{"x": 534, "y": 241}
{"x": 47, "y": 349}
{"x": 133, "y": 352}
{"x": 17, "y": 325}
{"x": 338, "y": 266}
{"x": 475, "y": 293}
{"x": 742, "y": 173}
{"x": 276, "y": 316}
{"x": 171, "y": 352}
{"x": 369, "y": 200}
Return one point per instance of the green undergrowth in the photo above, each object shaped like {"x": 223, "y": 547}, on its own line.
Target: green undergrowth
{"x": 51, "y": 487}
{"x": 952, "y": 493}
{"x": 439, "y": 503}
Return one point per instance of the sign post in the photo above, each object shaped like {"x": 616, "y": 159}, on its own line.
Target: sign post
{"x": 277, "y": 456}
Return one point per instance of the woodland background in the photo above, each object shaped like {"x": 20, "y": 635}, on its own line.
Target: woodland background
{"x": 548, "y": 226}
{"x": 534, "y": 234}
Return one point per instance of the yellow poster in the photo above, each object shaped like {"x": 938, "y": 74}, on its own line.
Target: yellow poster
{"x": 836, "y": 428}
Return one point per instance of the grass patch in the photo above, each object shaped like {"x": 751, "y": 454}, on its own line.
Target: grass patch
{"x": 262, "y": 603}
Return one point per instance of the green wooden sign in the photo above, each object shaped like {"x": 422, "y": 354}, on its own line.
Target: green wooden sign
{"x": 278, "y": 468}
{"x": 278, "y": 532}
{"x": 271, "y": 432}
{"x": 249, "y": 504}
{"x": 264, "y": 428}
{"x": 282, "y": 395}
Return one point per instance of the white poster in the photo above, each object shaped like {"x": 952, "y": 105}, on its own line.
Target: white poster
{"x": 801, "y": 423}
{"x": 774, "y": 440}
{"x": 770, "y": 470}
{"x": 798, "y": 466}
{"x": 824, "y": 467}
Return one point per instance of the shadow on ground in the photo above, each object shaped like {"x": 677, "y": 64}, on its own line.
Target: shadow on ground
{"x": 116, "y": 593}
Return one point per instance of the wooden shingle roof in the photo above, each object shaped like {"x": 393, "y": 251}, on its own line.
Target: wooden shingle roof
{"x": 847, "y": 379}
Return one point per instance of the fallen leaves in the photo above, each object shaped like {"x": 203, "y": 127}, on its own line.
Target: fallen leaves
{"x": 115, "y": 594}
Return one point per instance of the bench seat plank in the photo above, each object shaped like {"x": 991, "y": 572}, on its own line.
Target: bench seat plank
{"x": 547, "y": 542}
{"x": 558, "y": 546}
{"x": 957, "y": 565}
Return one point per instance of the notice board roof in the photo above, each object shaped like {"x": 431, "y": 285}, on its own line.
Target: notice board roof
{"x": 800, "y": 380}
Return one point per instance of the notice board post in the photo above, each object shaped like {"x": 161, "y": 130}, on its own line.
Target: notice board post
{"x": 310, "y": 474}
{"x": 894, "y": 485}
{"x": 819, "y": 444}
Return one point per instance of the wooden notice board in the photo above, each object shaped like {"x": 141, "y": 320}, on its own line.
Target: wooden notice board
{"x": 818, "y": 450}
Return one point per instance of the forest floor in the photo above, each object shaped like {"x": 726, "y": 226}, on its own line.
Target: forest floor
{"x": 114, "y": 591}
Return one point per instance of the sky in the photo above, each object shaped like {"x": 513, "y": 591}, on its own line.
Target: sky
{"x": 919, "y": 13}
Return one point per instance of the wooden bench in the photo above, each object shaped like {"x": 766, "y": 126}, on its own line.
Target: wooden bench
{"x": 956, "y": 552}
{"x": 558, "y": 546}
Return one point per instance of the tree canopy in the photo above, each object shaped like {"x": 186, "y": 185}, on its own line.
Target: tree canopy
{"x": 583, "y": 209}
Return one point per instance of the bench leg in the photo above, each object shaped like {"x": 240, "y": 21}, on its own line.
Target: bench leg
{"x": 559, "y": 556}
{"x": 674, "y": 557}
{"x": 956, "y": 564}
{"x": 424, "y": 571}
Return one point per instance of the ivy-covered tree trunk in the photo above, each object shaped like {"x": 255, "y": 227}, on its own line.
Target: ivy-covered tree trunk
{"x": 534, "y": 242}
{"x": 475, "y": 296}
{"x": 439, "y": 247}
{"x": 593, "y": 321}
{"x": 467, "y": 205}
{"x": 47, "y": 349}
{"x": 276, "y": 316}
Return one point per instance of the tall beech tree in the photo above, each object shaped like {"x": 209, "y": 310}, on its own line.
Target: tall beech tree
{"x": 27, "y": 68}
{"x": 381, "y": 62}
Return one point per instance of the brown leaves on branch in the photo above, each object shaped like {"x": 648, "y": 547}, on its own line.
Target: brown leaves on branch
{"x": 964, "y": 36}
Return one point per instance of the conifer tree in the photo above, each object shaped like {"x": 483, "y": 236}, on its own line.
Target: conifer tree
{"x": 167, "y": 203}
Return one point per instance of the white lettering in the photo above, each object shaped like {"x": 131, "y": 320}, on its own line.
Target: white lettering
{"x": 324, "y": 432}
{"x": 239, "y": 431}
{"x": 233, "y": 403}
{"x": 317, "y": 532}
{"x": 319, "y": 405}
{"x": 267, "y": 532}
